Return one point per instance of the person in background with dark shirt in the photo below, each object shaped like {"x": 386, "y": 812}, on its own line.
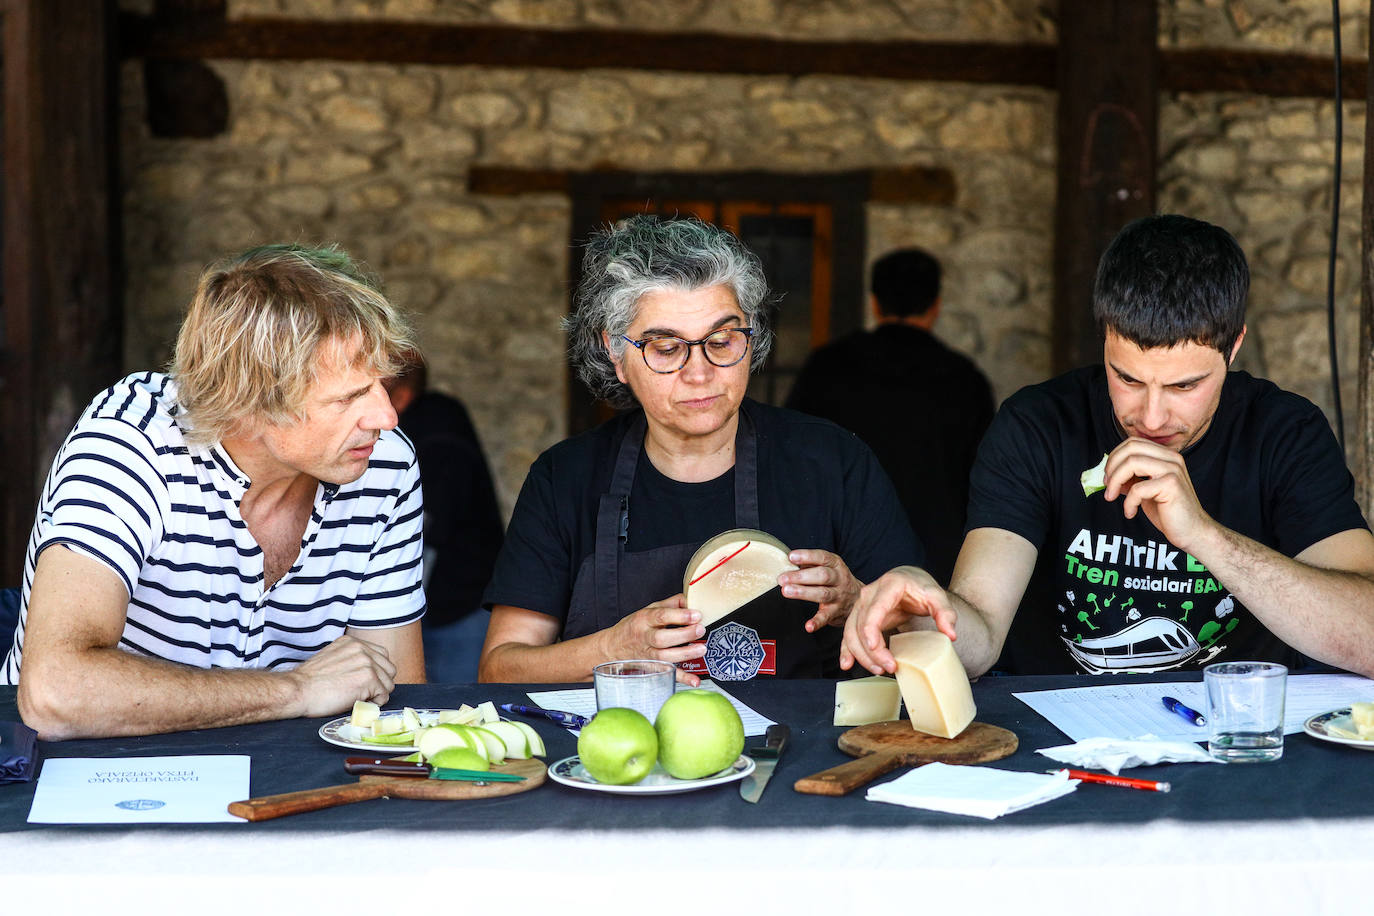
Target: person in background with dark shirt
{"x": 463, "y": 531}
{"x": 919, "y": 405}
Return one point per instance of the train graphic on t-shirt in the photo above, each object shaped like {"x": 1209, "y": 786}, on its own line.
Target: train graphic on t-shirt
{"x": 1151, "y": 644}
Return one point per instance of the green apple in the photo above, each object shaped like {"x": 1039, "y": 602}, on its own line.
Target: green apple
{"x": 459, "y": 758}
{"x": 618, "y": 747}
{"x": 699, "y": 733}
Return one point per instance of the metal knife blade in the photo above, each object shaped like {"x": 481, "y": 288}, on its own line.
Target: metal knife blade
{"x": 765, "y": 759}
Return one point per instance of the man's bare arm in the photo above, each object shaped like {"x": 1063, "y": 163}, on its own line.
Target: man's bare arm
{"x": 404, "y": 645}
{"x": 1320, "y": 603}
{"x": 74, "y": 681}
{"x": 991, "y": 575}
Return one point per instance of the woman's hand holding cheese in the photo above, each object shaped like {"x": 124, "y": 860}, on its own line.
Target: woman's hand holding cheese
{"x": 822, "y": 577}
{"x": 665, "y": 630}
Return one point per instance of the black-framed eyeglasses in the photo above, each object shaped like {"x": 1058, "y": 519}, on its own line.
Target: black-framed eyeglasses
{"x": 721, "y": 348}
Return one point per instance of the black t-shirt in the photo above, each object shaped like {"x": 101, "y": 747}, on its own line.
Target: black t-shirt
{"x": 921, "y": 407}
{"x": 1110, "y": 593}
{"x": 819, "y": 488}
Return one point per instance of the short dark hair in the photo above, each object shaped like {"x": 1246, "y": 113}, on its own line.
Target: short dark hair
{"x": 905, "y": 282}
{"x": 1167, "y": 280}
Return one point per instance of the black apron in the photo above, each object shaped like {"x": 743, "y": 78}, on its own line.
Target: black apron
{"x": 766, "y": 636}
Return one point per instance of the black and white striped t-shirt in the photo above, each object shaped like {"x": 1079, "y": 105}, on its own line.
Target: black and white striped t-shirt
{"x": 127, "y": 490}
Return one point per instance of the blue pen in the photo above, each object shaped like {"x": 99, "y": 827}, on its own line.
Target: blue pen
{"x": 1192, "y": 715}
{"x": 565, "y": 719}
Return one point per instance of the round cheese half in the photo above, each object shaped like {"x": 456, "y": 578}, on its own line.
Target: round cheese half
{"x": 732, "y": 569}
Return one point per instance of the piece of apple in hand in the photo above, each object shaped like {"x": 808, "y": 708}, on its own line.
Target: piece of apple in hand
{"x": 1093, "y": 480}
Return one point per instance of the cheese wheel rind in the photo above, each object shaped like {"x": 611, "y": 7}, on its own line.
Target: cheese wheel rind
{"x": 745, "y": 576}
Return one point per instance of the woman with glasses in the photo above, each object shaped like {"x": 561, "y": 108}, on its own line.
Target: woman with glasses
{"x": 670, "y": 318}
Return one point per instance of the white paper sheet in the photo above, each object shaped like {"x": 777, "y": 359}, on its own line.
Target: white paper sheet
{"x": 139, "y": 790}
{"x": 582, "y": 700}
{"x": 1127, "y": 709}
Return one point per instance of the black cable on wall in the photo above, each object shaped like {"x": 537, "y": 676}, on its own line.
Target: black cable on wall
{"x": 1335, "y": 233}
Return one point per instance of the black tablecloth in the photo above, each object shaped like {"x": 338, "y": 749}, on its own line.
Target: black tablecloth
{"x": 1313, "y": 780}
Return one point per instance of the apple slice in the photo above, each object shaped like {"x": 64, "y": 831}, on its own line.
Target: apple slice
{"x": 436, "y": 739}
{"x": 1093, "y": 480}
{"x": 364, "y": 714}
{"x": 496, "y": 746}
{"x": 463, "y": 715}
{"x": 536, "y": 747}
{"x": 468, "y": 735}
{"x": 410, "y": 719}
{"x": 517, "y": 745}
{"x": 387, "y": 725}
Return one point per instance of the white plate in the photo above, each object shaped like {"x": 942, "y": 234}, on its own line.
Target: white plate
{"x": 340, "y": 732}
{"x": 570, "y": 772}
{"x": 1320, "y": 726}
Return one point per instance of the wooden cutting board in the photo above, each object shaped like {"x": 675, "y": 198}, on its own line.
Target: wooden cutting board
{"x": 269, "y": 806}
{"x": 884, "y": 746}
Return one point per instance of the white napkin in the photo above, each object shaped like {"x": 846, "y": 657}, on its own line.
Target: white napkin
{"x": 1114, "y": 754}
{"x": 974, "y": 790}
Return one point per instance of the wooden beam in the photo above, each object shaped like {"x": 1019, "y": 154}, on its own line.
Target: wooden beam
{"x": 1364, "y": 427}
{"x": 62, "y": 321}
{"x": 205, "y": 36}
{"x": 1260, "y": 73}
{"x": 580, "y": 49}
{"x": 1107, "y": 137}
{"x": 931, "y": 185}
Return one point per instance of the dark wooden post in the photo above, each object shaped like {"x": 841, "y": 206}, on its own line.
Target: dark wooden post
{"x": 61, "y": 335}
{"x": 1108, "y": 133}
{"x": 1364, "y": 429}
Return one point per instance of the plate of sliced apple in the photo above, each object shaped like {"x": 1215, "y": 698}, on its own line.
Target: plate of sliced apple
{"x": 570, "y": 772}
{"x": 481, "y": 728}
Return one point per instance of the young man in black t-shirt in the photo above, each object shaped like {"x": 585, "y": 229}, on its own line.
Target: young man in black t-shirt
{"x": 1226, "y": 526}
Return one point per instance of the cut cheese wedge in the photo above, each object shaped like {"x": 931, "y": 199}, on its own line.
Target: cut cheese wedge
{"x": 732, "y": 569}
{"x": 934, "y": 684}
{"x": 866, "y": 700}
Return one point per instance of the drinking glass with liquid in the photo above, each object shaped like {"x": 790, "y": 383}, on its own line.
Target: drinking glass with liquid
{"x": 1245, "y": 703}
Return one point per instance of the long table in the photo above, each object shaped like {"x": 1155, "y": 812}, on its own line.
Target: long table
{"x": 1299, "y": 831}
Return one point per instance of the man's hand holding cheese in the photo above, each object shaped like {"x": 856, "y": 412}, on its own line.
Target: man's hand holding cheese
{"x": 1226, "y": 525}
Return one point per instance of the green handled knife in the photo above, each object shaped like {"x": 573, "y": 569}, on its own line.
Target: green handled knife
{"x": 372, "y": 766}
{"x": 765, "y": 759}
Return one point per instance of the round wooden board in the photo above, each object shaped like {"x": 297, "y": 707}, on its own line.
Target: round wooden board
{"x": 534, "y": 770}
{"x": 979, "y": 743}
{"x": 884, "y": 746}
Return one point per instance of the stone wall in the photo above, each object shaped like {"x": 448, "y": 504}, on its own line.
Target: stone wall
{"x": 376, "y": 157}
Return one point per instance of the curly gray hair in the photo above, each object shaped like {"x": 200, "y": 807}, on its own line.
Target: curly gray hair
{"x": 643, "y": 254}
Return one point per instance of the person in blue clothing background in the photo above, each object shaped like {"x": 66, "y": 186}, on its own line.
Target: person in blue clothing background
{"x": 462, "y": 526}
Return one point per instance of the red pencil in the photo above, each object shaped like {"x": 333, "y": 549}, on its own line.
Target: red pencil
{"x": 1124, "y": 781}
